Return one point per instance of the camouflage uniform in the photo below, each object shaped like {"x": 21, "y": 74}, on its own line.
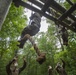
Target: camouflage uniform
{"x": 31, "y": 29}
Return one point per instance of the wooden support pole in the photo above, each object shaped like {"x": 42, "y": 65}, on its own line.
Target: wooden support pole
{"x": 68, "y": 12}
{"x": 4, "y": 8}
{"x": 46, "y": 6}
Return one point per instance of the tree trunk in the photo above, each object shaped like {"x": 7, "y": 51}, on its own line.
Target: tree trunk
{"x": 4, "y": 8}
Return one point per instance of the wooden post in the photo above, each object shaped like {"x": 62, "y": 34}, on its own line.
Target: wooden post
{"x": 4, "y": 8}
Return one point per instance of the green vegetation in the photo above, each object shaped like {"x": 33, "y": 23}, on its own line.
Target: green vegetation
{"x": 47, "y": 42}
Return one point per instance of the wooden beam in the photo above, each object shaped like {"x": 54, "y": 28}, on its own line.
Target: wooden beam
{"x": 59, "y": 8}
{"x": 68, "y": 12}
{"x": 26, "y": 5}
{"x": 46, "y": 5}
{"x": 40, "y": 5}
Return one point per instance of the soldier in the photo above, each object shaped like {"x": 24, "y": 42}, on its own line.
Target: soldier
{"x": 61, "y": 68}
{"x": 12, "y": 67}
{"x": 31, "y": 29}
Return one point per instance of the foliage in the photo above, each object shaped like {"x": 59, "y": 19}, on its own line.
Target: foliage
{"x": 11, "y": 30}
{"x": 47, "y": 42}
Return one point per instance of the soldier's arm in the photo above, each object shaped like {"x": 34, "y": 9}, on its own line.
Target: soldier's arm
{"x": 8, "y": 70}
{"x": 23, "y": 67}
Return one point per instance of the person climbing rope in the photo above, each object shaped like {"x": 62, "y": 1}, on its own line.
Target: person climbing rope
{"x": 32, "y": 29}
{"x": 60, "y": 68}
{"x": 12, "y": 67}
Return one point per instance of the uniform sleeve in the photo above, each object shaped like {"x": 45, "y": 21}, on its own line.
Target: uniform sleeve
{"x": 23, "y": 67}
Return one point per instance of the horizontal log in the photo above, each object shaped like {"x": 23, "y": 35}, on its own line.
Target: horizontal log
{"x": 68, "y": 12}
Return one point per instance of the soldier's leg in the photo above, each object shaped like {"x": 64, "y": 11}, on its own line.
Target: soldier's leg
{"x": 22, "y": 41}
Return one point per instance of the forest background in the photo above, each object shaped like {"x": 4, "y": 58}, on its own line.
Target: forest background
{"x": 48, "y": 42}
